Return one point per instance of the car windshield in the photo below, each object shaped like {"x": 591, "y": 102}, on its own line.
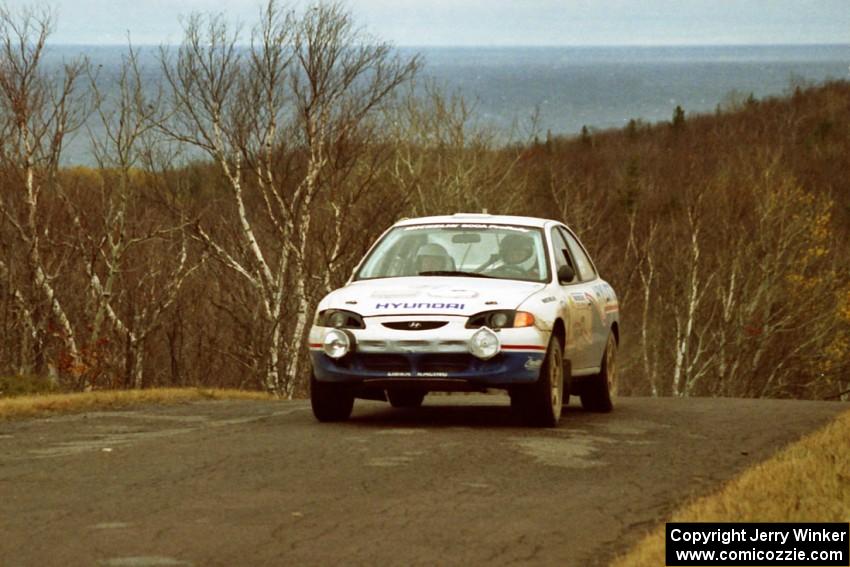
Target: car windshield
{"x": 465, "y": 250}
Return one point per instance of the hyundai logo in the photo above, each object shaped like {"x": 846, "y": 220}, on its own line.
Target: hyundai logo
{"x": 414, "y": 325}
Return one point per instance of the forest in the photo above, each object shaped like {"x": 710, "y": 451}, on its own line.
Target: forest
{"x": 228, "y": 195}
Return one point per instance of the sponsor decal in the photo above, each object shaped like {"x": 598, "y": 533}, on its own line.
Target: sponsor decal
{"x": 409, "y": 305}
{"x": 604, "y": 291}
{"x": 445, "y": 293}
{"x": 579, "y": 298}
{"x": 396, "y": 293}
{"x": 549, "y": 299}
{"x": 533, "y": 363}
{"x": 601, "y": 290}
{"x": 410, "y": 374}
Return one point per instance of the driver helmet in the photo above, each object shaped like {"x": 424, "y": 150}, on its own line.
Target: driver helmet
{"x": 432, "y": 257}
{"x": 516, "y": 249}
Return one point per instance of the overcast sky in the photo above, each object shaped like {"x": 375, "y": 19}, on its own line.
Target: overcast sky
{"x": 492, "y": 22}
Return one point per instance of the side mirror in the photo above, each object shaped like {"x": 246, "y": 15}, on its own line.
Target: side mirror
{"x": 566, "y": 274}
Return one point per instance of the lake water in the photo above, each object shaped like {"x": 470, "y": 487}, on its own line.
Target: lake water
{"x": 598, "y": 87}
{"x": 606, "y": 87}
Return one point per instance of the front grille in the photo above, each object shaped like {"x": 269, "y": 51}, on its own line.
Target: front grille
{"x": 448, "y": 362}
{"x": 413, "y": 364}
{"x": 385, "y": 362}
{"x": 415, "y": 325}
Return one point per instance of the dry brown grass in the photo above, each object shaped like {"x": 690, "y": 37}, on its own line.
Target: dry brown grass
{"x": 808, "y": 481}
{"x": 41, "y": 405}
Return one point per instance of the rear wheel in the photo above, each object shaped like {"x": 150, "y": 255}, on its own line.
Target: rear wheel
{"x": 405, "y": 398}
{"x": 540, "y": 404}
{"x": 330, "y": 402}
{"x": 599, "y": 391}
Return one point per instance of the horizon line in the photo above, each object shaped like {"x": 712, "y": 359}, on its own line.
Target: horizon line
{"x": 510, "y": 45}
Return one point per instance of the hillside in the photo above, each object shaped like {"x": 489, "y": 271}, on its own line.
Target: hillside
{"x": 726, "y": 235}
{"x": 225, "y": 207}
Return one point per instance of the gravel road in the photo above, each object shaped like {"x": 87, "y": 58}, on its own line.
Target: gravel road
{"x": 457, "y": 482}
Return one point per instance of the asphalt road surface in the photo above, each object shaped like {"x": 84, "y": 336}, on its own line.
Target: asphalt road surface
{"x": 457, "y": 482}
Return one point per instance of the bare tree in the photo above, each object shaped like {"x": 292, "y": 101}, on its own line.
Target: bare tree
{"x": 276, "y": 118}
{"x": 779, "y": 295}
{"x": 749, "y": 286}
{"x": 342, "y": 79}
{"x": 134, "y": 266}
{"x": 37, "y": 112}
{"x": 692, "y": 352}
{"x": 444, "y": 161}
{"x": 642, "y": 253}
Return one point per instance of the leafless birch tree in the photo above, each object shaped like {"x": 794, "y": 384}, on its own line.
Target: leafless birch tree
{"x": 275, "y": 117}
{"x": 135, "y": 263}
{"x": 37, "y": 112}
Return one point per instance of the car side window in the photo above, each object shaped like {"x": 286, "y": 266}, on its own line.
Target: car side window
{"x": 583, "y": 265}
{"x": 561, "y": 249}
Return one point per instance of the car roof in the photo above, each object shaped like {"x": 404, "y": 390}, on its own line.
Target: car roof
{"x": 477, "y": 218}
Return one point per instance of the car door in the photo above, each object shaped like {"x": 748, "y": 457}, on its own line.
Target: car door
{"x": 579, "y": 303}
{"x": 596, "y": 292}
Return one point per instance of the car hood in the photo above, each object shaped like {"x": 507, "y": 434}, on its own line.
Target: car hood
{"x": 432, "y": 295}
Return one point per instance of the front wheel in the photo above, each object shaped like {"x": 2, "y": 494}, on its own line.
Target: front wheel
{"x": 598, "y": 393}
{"x": 330, "y": 402}
{"x": 540, "y": 404}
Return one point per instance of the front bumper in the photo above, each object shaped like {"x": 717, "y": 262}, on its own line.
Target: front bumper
{"x": 434, "y": 359}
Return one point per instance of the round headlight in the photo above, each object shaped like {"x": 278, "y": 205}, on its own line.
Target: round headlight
{"x": 499, "y": 319}
{"x": 336, "y": 344}
{"x": 338, "y": 319}
{"x": 484, "y": 344}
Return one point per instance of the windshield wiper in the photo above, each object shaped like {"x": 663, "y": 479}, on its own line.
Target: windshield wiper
{"x": 454, "y": 273}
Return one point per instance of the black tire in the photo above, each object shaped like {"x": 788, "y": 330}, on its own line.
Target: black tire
{"x": 599, "y": 391}
{"x": 540, "y": 404}
{"x": 405, "y": 398}
{"x": 330, "y": 402}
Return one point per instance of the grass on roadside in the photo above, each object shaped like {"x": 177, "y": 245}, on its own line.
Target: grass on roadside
{"x": 48, "y": 404}
{"x": 26, "y": 385}
{"x": 808, "y": 481}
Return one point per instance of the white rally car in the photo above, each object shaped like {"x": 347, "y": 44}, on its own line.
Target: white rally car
{"x": 466, "y": 303}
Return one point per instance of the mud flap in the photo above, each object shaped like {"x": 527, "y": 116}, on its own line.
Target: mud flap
{"x": 570, "y": 383}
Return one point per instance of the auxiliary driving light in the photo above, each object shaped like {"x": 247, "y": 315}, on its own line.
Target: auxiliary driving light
{"x": 336, "y": 344}
{"x": 484, "y": 344}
